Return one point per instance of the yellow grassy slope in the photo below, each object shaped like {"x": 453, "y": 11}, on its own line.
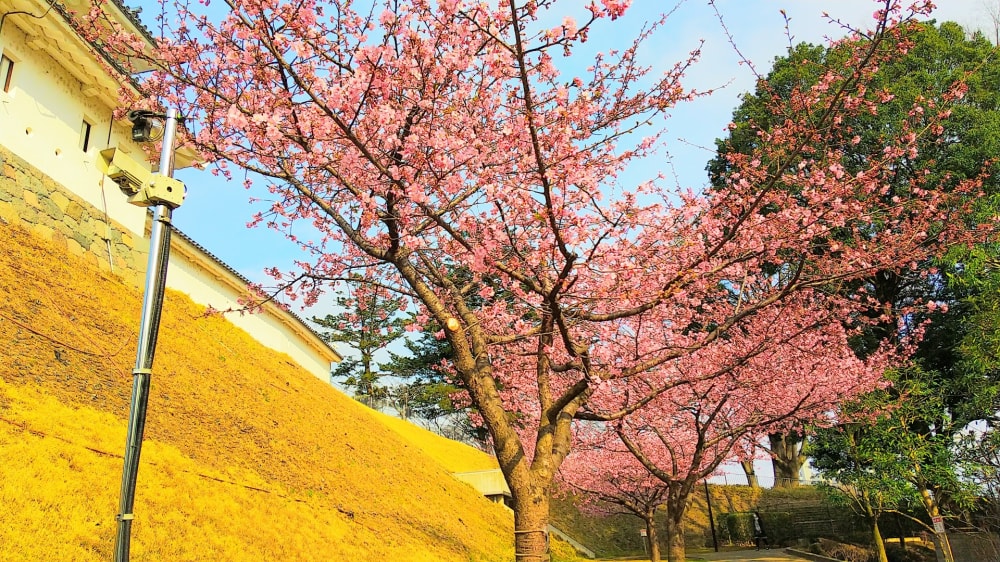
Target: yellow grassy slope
{"x": 246, "y": 456}
{"x": 459, "y": 457}
{"x": 454, "y": 456}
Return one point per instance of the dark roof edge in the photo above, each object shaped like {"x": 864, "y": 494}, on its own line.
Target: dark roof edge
{"x": 133, "y": 16}
{"x": 70, "y": 19}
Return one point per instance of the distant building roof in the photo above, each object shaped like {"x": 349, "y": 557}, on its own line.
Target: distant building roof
{"x": 488, "y": 482}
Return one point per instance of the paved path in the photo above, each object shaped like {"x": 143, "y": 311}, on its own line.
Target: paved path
{"x": 773, "y": 555}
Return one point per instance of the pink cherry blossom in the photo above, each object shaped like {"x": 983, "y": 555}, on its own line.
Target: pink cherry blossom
{"x": 440, "y": 148}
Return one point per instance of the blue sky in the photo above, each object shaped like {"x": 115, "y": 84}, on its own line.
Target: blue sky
{"x": 216, "y": 212}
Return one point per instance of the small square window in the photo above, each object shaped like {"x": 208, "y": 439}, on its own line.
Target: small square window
{"x": 85, "y": 135}
{"x": 6, "y": 71}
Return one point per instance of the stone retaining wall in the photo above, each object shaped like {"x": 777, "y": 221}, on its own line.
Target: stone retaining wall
{"x": 32, "y": 199}
{"x": 975, "y": 547}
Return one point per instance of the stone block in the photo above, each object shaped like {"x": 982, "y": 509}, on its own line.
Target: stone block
{"x": 9, "y": 214}
{"x": 50, "y": 208}
{"x": 10, "y": 190}
{"x": 30, "y": 198}
{"x": 87, "y": 228}
{"x": 100, "y": 249}
{"x": 60, "y": 199}
{"x": 83, "y": 241}
{"x": 74, "y": 247}
{"x": 70, "y": 223}
{"x": 76, "y": 210}
{"x": 27, "y": 213}
{"x": 43, "y": 231}
{"x": 34, "y": 183}
{"x": 125, "y": 238}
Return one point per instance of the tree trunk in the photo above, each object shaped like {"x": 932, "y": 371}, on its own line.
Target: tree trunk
{"x": 751, "y": 473}
{"x": 942, "y": 547}
{"x": 787, "y": 458}
{"x": 531, "y": 521}
{"x": 675, "y": 536}
{"x": 879, "y": 543}
{"x": 651, "y": 538}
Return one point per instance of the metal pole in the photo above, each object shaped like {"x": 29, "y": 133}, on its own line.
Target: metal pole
{"x": 152, "y": 304}
{"x": 711, "y": 520}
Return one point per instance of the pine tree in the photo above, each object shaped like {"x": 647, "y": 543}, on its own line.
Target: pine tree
{"x": 370, "y": 321}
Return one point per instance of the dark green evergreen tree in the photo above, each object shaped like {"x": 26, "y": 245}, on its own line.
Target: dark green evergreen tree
{"x": 427, "y": 392}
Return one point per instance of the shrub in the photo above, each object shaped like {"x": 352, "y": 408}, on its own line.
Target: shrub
{"x": 739, "y": 527}
{"x": 562, "y": 551}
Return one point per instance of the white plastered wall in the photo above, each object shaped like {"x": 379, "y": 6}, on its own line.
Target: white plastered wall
{"x": 41, "y": 118}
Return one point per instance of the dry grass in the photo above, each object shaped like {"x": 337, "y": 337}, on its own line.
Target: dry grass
{"x": 246, "y": 456}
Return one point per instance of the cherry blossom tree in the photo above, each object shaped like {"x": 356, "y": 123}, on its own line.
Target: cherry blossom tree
{"x": 419, "y": 138}
{"x": 774, "y": 374}
{"x": 608, "y": 480}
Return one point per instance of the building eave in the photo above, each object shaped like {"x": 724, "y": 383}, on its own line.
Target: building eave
{"x": 54, "y": 32}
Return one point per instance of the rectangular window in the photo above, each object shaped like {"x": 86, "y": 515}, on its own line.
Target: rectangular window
{"x": 85, "y": 135}
{"x": 6, "y": 71}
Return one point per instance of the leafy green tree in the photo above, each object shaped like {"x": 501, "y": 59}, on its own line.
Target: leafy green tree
{"x": 370, "y": 321}
{"x": 979, "y": 454}
{"x": 979, "y": 349}
{"x": 913, "y": 431}
{"x": 896, "y": 446}
{"x": 862, "y": 469}
{"x": 940, "y": 56}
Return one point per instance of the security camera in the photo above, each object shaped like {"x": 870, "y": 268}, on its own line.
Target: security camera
{"x": 129, "y": 174}
{"x": 137, "y": 114}
{"x": 142, "y": 187}
{"x": 160, "y": 190}
{"x": 142, "y": 125}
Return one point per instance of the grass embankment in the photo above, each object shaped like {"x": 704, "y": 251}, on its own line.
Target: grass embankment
{"x": 459, "y": 457}
{"x": 246, "y": 456}
{"x": 454, "y": 456}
